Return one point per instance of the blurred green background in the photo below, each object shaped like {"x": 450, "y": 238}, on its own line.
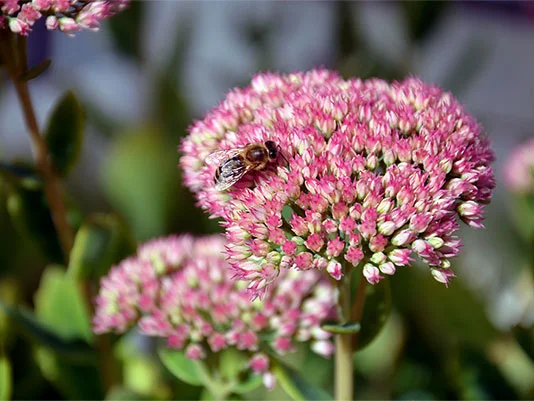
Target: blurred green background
{"x": 142, "y": 80}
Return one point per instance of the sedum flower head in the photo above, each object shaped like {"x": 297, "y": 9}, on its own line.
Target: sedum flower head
{"x": 66, "y": 15}
{"x": 519, "y": 169}
{"x": 182, "y": 289}
{"x": 375, "y": 172}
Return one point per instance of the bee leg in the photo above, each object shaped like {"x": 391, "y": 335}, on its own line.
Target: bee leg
{"x": 284, "y": 157}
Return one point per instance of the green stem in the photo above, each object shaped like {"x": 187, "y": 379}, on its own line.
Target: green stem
{"x": 344, "y": 388}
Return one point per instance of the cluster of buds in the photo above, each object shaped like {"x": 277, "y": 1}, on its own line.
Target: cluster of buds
{"x": 66, "y": 15}
{"x": 182, "y": 289}
{"x": 375, "y": 173}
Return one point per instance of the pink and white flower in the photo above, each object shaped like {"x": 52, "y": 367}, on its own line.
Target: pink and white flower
{"x": 182, "y": 289}
{"x": 67, "y": 15}
{"x": 380, "y": 167}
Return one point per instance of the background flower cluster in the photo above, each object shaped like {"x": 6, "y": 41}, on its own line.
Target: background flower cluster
{"x": 182, "y": 289}
{"x": 66, "y": 15}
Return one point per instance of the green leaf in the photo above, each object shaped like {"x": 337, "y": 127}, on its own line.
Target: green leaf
{"x": 375, "y": 312}
{"x": 231, "y": 363}
{"x": 477, "y": 378}
{"x": 140, "y": 179}
{"x": 296, "y": 386}
{"x": 341, "y": 328}
{"x": 525, "y": 339}
{"x": 29, "y": 325}
{"x": 101, "y": 242}
{"x": 118, "y": 393}
{"x": 183, "y": 368}
{"x": 59, "y": 304}
{"x": 30, "y": 214}
{"x": 245, "y": 384}
{"x": 75, "y": 380}
{"x": 125, "y": 33}
{"x": 21, "y": 175}
{"x": 421, "y": 16}
{"x": 64, "y": 133}
{"x": 6, "y": 379}
{"x": 35, "y": 71}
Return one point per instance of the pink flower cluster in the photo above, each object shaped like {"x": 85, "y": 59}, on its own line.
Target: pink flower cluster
{"x": 375, "y": 172}
{"x": 519, "y": 168}
{"x": 182, "y": 289}
{"x": 65, "y": 15}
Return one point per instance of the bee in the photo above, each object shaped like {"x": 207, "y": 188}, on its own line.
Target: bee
{"x": 235, "y": 163}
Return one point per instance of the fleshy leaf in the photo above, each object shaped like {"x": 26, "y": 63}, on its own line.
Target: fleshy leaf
{"x": 248, "y": 383}
{"x": 525, "y": 339}
{"x": 28, "y": 323}
{"x": 59, "y": 304}
{"x": 6, "y": 379}
{"x": 35, "y": 71}
{"x": 30, "y": 214}
{"x": 140, "y": 180}
{"x": 232, "y": 362}
{"x": 123, "y": 394}
{"x": 64, "y": 133}
{"x": 75, "y": 380}
{"x": 375, "y": 312}
{"x": 296, "y": 386}
{"x": 341, "y": 328}
{"x": 21, "y": 175}
{"x": 183, "y": 368}
{"x": 478, "y": 378}
{"x": 100, "y": 242}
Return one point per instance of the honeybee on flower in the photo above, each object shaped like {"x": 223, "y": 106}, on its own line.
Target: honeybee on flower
{"x": 233, "y": 164}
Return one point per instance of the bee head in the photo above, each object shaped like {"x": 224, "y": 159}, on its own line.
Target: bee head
{"x": 272, "y": 148}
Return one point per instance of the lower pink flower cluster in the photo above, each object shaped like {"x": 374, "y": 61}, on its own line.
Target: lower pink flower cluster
{"x": 181, "y": 288}
{"x": 65, "y": 15}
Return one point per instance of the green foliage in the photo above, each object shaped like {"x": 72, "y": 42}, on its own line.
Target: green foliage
{"x": 122, "y": 394}
{"x": 341, "y": 328}
{"x": 125, "y": 30}
{"x": 21, "y": 175}
{"x": 140, "y": 181}
{"x": 64, "y": 133}
{"x": 232, "y": 362}
{"x": 477, "y": 378}
{"x": 525, "y": 338}
{"x": 75, "y": 350}
{"x": 246, "y": 383}
{"x": 6, "y": 379}
{"x": 59, "y": 304}
{"x": 30, "y": 215}
{"x": 101, "y": 242}
{"x": 296, "y": 386}
{"x": 376, "y": 311}
{"x": 421, "y": 16}
{"x": 183, "y": 368}
{"x": 36, "y": 70}
{"x": 74, "y": 379}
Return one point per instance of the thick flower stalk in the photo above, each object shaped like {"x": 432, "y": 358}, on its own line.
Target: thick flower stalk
{"x": 375, "y": 174}
{"x": 519, "y": 168}
{"x": 182, "y": 289}
{"x": 66, "y": 15}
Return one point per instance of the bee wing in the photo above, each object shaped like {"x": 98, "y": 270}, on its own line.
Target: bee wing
{"x": 230, "y": 179}
{"x": 221, "y": 155}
